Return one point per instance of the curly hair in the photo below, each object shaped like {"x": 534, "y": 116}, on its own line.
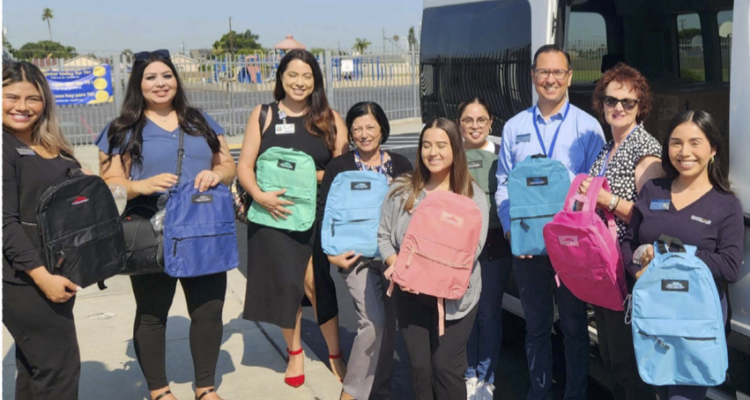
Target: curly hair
{"x": 625, "y": 75}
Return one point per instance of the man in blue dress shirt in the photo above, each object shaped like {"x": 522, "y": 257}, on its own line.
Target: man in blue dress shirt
{"x": 579, "y": 141}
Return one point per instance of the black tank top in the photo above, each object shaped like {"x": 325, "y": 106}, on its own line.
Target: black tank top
{"x": 300, "y": 140}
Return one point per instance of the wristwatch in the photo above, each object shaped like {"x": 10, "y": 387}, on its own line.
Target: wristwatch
{"x": 613, "y": 203}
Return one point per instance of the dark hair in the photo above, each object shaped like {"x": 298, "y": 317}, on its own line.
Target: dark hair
{"x": 460, "y": 182}
{"x": 319, "y": 119}
{"x": 551, "y": 48}
{"x": 624, "y": 75}
{"x": 473, "y": 100}
{"x": 364, "y": 108}
{"x": 132, "y": 119}
{"x": 718, "y": 171}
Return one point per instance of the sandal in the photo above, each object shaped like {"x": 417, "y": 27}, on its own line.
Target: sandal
{"x": 212, "y": 390}
{"x": 163, "y": 394}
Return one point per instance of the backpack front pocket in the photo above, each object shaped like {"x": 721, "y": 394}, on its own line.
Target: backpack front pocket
{"x": 213, "y": 250}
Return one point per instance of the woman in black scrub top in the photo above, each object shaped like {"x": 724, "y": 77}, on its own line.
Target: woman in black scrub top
{"x": 283, "y": 266}
{"x": 695, "y": 204}
{"x": 37, "y": 306}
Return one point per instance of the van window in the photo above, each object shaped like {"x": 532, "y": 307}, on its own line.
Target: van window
{"x": 467, "y": 51}
{"x": 587, "y": 44}
{"x": 690, "y": 42}
{"x": 725, "y": 38}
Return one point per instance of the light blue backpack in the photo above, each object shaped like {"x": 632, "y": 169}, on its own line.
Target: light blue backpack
{"x": 352, "y": 213}
{"x": 678, "y": 326}
{"x": 537, "y": 187}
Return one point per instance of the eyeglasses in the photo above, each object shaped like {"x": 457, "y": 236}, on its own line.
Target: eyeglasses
{"x": 627, "y": 104}
{"x": 162, "y": 54}
{"x": 369, "y": 129}
{"x": 481, "y": 121}
{"x": 557, "y": 73}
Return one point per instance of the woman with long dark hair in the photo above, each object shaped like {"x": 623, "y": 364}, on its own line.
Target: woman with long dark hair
{"x": 138, "y": 150}
{"x": 37, "y": 306}
{"x": 438, "y": 363}
{"x": 286, "y": 266}
{"x": 700, "y": 209}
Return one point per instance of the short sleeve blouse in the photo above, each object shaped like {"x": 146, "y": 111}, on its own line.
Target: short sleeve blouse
{"x": 620, "y": 172}
{"x": 159, "y": 151}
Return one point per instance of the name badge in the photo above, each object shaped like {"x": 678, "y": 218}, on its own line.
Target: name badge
{"x": 659, "y": 205}
{"x": 25, "y": 151}
{"x": 283, "y": 129}
{"x": 523, "y": 138}
{"x": 701, "y": 220}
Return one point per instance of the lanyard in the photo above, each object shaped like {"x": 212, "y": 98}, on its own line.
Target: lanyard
{"x": 606, "y": 160}
{"x": 554, "y": 138}
{"x": 361, "y": 165}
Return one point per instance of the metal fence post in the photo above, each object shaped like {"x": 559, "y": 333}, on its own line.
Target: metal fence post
{"x": 118, "y": 87}
{"x": 328, "y": 62}
{"x": 415, "y": 83}
{"x": 229, "y": 77}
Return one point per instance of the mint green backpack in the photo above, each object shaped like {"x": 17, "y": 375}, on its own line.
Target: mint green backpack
{"x": 279, "y": 168}
{"x": 483, "y": 167}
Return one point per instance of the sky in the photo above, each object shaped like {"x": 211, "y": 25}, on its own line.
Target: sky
{"x": 107, "y": 27}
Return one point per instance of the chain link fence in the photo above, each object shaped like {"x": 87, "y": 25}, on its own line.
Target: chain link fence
{"x": 229, "y": 87}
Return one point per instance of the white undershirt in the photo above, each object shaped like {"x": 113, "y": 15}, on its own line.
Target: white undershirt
{"x": 489, "y": 146}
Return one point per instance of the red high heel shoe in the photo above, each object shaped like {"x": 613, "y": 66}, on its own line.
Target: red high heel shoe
{"x": 294, "y": 381}
{"x": 336, "y": 357}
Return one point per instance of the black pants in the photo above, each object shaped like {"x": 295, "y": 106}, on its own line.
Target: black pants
{"x": 47, "y": 356}
{"x": 438, "y": 363}
{"x": 205, "y": 300}
{"x": 618, "y": 354}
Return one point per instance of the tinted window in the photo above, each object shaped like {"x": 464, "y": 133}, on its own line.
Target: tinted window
{"x": 476, "y": 49}
{"x": 725, "y": 39}
{"x": 690, "y": 42}
{"x": 587, "y": 44}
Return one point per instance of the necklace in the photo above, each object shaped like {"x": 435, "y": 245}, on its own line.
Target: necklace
{"x": 152, "y": 114}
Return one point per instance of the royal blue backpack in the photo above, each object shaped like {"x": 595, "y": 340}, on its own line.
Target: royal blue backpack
{"x": 537, "y": 187}
{"x": 352, "y": 213}
{"x": 199, "y": 232}
{"x": 677, "y": 322}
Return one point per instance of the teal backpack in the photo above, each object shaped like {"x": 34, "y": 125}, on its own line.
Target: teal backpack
{"x": 279, "y": 168}
{"x": 483, "y": 168}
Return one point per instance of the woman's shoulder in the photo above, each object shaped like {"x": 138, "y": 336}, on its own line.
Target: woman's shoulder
{"x": 344, "y": 162}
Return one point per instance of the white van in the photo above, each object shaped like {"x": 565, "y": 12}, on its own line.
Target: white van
{"x": 695, "y": 54}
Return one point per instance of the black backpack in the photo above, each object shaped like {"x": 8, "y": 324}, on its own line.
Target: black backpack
{"x": 80, "y": 229}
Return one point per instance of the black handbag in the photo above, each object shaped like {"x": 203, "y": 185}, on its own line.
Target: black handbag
{"x": 144, "y": 246}
{"x": 242, "y": 199}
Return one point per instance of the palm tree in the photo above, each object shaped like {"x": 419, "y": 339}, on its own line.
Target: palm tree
{"x": 46, "y": 16}
{"x": 412, "y": 39}
{"x": 361, "y": 44}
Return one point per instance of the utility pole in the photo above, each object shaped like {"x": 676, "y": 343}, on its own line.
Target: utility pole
{"x": 182, "y": 44}
{"x": 383, "y": 40}
{"x": 231, "y": 38}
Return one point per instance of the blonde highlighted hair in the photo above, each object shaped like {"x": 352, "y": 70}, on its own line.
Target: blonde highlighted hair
{"x": 46, "y": 131}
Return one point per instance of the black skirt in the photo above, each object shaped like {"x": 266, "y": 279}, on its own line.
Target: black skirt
{"x": 276, "y": 265}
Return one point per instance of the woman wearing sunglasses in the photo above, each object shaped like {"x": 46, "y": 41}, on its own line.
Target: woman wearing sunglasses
{"x": 138, "y": 150}
{"x": 623, "y": 100}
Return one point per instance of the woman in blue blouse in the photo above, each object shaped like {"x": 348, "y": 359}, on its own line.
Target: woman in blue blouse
{"x": 139, "y": 151}
{"x": 695, "y": 203}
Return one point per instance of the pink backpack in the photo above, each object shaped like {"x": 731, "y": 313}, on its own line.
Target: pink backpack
{"x": 438, "y": 251}
{"x": 584, "y": 251}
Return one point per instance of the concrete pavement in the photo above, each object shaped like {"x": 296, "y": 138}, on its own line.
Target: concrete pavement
{"x": 251, "y": 363}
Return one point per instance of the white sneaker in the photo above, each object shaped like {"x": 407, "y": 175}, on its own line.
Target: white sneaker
{"x": 485, "y": 391}
{"x": 471, "y": 389}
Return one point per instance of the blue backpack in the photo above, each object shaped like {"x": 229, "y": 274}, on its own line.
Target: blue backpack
{"x": 677, "y": 322}
{"x": 537, "y": 187}
{"x": 200, "y": 237}
{"x": 352, "y": 213}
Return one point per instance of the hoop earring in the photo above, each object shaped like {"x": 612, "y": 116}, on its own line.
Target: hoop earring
{"x": 712, "y": 159}
{"x": 490, "y": 130}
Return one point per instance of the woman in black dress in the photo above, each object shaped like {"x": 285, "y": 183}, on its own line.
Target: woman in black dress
{"x": 283, "y": 266}
{"x": 37, "y": 306}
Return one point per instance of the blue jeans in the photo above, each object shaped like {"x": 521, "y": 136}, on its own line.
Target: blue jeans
{"x": 483, "y": 349}
{"x": 536, "y": 284}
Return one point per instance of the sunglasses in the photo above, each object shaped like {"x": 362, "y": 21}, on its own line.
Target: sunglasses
{"x": 162, "y": 54}
{"x": 627, "y": 104}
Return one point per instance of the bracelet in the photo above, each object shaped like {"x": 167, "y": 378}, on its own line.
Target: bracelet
{"x": 613, "y": 203}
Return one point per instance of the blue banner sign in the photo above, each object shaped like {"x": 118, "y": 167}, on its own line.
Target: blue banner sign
{"x": 84, "y": 85}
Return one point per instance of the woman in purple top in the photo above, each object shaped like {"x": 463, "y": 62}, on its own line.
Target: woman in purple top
{"x": 695, "y": 204}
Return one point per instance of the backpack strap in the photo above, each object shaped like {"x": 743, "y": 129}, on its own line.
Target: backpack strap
{"x": 441, "y": 315}
{"x": 664, "y": 242}
{"x": 263, "y": 117}
{"x": 180, "y": 155}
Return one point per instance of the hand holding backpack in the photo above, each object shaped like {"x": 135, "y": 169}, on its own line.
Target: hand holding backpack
{"x": 584, "y": 251}
{"x": 677, "y": 321}
{"x": 439, "y": 248}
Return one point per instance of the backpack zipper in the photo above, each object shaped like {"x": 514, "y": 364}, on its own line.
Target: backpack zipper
{"x": 333, "y": 223}
{"x": 658, "y": 341}
{"x": 525, "y": 225}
